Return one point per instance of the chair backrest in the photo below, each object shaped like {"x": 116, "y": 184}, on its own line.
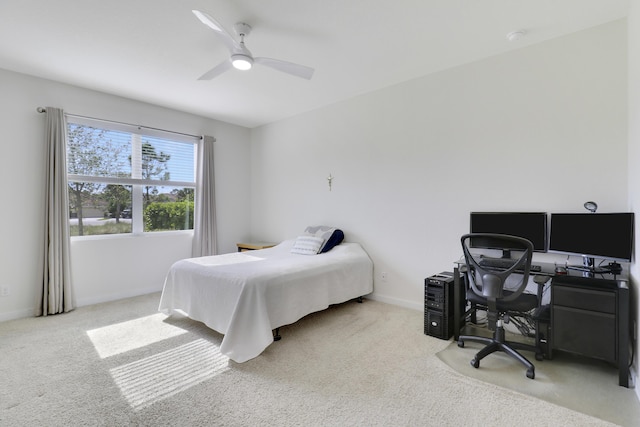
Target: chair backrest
{"x": 488, "y": 280}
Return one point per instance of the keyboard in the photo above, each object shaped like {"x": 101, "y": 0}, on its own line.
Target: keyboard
{"x": 504, "y": 263}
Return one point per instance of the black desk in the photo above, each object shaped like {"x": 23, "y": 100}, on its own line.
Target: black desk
{"x": 590, "y": 316}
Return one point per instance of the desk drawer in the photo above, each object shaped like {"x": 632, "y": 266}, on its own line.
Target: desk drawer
{"x": 585, "y": 332}
{"x": 586, "y": 299}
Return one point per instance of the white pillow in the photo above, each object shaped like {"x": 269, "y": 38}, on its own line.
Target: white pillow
{"x": 307, "y": 245}
{"x": 322, "y": 231}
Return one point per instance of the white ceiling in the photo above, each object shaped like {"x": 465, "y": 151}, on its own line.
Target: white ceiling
{"x": 155, "y": 50}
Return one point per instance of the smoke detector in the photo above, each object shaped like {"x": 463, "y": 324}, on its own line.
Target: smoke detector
{"x": 515, "y": 35}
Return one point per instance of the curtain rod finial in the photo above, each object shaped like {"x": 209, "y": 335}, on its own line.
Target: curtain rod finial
{"x": 41, "y": 110}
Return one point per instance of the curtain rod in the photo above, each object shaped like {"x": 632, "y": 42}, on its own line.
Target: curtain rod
{"x": 44, "y": 110}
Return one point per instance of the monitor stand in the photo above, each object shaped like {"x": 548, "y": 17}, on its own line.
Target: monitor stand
{"x": 588, "y": 267}
{"x": 506, "y": 253}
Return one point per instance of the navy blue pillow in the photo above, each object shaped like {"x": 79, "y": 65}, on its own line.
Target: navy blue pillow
{"x": 336, "y": 238}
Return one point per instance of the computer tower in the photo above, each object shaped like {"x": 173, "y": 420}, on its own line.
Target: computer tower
{"x": 439, "y": 305}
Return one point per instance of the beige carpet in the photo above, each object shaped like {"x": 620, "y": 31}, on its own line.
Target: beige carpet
{"x": 585, "y": 385}
{"x": 124, "y": 364}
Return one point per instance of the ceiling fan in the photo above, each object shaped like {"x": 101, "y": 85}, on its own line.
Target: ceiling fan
{"x": 241, "y": 58}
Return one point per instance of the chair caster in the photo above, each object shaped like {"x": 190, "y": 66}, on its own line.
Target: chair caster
{"x": 460, "y": 343}
{"x": 531, "y": 373}
{"x": 475, "y": 363}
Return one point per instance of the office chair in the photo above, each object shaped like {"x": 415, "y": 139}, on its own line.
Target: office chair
{"x": 486, "y": 287}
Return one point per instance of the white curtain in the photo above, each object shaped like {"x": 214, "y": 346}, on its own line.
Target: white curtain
{"x": 204, "y": 227}
{"x": 56, "y": 293}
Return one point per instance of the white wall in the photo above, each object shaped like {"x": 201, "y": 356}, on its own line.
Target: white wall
{"x": 634, "y": 154}
{"x": 542, "y": 128}
{"x": 102, "y": 269}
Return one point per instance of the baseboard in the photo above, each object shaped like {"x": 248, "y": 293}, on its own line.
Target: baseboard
{"x": 81, "y": 302}
{"x": 18, "y": 314}
{"x": 396, "y": 301}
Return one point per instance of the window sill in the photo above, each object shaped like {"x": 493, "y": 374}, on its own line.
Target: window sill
{"x": 132, "y": 236}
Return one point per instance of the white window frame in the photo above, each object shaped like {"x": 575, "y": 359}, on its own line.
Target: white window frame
{"x": 136, "y": 181}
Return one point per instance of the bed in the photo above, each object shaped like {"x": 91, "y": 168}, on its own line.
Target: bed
{"x": 246, "y": 295}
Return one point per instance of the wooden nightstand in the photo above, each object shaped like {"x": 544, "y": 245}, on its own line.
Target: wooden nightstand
{"x": 242, "y": 247}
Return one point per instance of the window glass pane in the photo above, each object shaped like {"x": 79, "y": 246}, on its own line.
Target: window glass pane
{"x": 98, "y": 152}
{"x": 166, "y": 160}
{"x": 96, "y": 208}
{"x": 169, "y": 208}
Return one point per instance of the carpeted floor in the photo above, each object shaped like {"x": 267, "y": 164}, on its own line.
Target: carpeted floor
{"x": 124, "y": 364}
{"x": 585, "y": 385}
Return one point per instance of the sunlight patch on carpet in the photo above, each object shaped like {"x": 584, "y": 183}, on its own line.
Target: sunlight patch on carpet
{"x": 137, "y": 333}
{"x": 165, "y": 374}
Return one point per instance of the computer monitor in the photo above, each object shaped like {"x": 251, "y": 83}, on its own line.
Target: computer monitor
{"x": 593, "y": 235}
{"x": 529, "y": 225}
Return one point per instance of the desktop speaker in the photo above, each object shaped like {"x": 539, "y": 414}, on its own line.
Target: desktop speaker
{"x": 438, "y": 305}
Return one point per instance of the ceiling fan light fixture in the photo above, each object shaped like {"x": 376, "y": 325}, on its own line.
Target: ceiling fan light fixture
{"x": 241, "y": 62}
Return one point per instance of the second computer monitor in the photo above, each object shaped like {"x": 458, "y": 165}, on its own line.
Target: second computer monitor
{"x": 529, "y": 225}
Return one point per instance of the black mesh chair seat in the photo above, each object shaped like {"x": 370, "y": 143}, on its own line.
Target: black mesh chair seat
{"x": 522, "y": 304}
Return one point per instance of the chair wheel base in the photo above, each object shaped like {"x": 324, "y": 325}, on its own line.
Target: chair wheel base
{"x": 460, "y": 343}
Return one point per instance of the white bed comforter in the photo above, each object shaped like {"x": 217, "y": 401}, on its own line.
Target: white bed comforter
{"x": 246, "y": 295}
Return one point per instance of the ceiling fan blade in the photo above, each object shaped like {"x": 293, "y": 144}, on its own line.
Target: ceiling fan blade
{"x": 216, "y": 71}
{"x": 226, "y": 38}
{"x": 286, "y": 67}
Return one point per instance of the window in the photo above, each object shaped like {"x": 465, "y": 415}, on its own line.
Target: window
{"x": 125, "y": 179}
